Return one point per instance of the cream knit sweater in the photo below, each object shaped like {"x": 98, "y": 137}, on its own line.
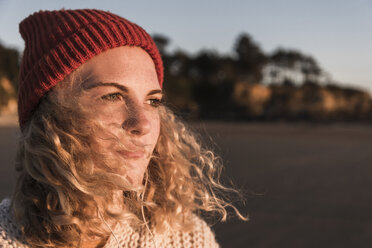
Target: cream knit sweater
{"x": 125, "y": 235}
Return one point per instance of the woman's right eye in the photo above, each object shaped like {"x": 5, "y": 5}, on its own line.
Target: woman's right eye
{"x": 113, "y": 97}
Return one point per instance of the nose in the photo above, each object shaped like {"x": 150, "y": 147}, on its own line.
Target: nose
{"x": 137, "y": 123}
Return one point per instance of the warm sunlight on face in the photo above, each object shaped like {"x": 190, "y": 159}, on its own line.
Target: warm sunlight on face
{"x": 121, "y": 88}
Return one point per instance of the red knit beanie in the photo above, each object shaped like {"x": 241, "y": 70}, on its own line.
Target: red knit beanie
{"x": 58, "y": 42}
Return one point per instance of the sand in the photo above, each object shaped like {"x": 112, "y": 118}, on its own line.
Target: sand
{"x": 305, "y": 185}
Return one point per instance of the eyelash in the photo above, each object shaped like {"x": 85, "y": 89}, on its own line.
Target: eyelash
{"x": 155, "y": 102}
{"x": 113, "y": 97}
{"x": 109, "y": 97}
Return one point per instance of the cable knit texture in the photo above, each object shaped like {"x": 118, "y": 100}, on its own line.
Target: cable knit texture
{"x": 128, "y": 236}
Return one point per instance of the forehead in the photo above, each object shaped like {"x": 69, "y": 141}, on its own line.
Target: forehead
{"x": 125, "y": 65}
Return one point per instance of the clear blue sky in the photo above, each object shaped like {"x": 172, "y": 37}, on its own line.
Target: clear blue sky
{"x": 338, "y": 33}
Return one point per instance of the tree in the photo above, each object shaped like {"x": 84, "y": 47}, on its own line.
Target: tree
{"x": 294, "y": 66}
{"x": 310, "y": 69}
{"x": 250, "y": 59}
{"x": 9, "y": 64}
{"x": 161, "y": 42}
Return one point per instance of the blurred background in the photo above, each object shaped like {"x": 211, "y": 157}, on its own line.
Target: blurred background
{"x": 280, "y": 89}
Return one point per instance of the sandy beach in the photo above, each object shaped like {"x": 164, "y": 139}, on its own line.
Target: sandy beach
{"x": 305, "y": 185}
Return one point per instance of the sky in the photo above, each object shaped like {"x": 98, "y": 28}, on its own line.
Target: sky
{"x": 337, "y": 33}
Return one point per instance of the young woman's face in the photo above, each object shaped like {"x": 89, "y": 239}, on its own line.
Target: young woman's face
{"x": 121, "y": 91}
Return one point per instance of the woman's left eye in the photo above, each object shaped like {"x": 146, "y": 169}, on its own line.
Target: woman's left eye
{"x": 113, "y": 97}
{"x": 155, "y": 102}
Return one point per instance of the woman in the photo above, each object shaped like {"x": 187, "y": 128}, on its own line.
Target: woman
{"x": 101, "y": 162}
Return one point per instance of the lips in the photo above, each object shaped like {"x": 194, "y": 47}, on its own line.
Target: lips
{"x": 132, "y": 154}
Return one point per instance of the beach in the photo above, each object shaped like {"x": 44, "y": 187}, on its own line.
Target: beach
{"x": 306, "y": 185}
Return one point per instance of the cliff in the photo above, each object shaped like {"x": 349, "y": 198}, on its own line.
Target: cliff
{"x": 306, "y": 102}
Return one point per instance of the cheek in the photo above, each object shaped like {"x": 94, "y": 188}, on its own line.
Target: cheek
{"x": 108, "y": 119}
{"x": 156, "y": 128}
{"x": 110, "y": 122}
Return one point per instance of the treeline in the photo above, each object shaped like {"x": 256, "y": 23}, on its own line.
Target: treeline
{"x": 9, "y": 67}
{"x": 247, "y": 84}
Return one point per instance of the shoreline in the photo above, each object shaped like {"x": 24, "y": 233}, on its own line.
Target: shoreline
{"x": 11, "y": 120}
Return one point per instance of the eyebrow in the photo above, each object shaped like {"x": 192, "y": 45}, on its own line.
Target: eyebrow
{"x": 153, "y": 92}
{"x": 119, "y": 86}
{"x": 99, "y": 84}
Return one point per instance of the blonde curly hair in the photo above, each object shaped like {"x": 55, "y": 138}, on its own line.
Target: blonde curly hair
{"x": 56, "y": 201}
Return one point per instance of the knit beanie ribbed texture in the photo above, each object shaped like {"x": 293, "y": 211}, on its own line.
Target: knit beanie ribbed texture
{"x": 58, "y": 42}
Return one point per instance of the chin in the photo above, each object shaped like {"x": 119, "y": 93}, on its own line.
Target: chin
{"x": 135, "y": 180}
{"x": 135, "y": 171}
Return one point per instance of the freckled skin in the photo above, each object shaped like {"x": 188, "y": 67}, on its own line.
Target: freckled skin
{"x": 122, "y": 89}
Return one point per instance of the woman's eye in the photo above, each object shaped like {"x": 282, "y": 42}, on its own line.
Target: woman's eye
{"x": 155, "y": 102}
{"x": 113, "y": 97}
